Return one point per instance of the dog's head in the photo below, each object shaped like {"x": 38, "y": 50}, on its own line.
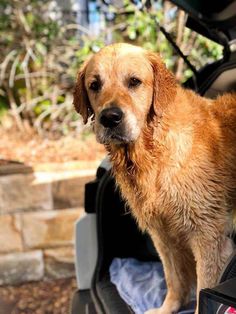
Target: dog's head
{"x": 121, "y": 87}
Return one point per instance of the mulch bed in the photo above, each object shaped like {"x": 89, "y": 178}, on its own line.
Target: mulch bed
{"x": 45, "y": 297}
{"x": 32, "y": 149}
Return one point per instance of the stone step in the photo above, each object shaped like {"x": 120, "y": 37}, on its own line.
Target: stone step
{"x": 8, "y": 167}
{"x": 16, "y": 268}
{"x": 43, "y": 190}
{"x": 10, "y": 234}
{"x": 59, "y": 263}
{"x": 68, "y": 188}
{"x": 50, "y": 228}
{"x": 21, "y": 192}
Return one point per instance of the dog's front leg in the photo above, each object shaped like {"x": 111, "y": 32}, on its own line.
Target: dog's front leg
{"x": 179, "y": 274}
{"x": 210, "y": 255}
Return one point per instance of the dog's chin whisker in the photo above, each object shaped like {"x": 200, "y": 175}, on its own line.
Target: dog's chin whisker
{"x": 107, "y": 136}
{"x": 102, "y": 140}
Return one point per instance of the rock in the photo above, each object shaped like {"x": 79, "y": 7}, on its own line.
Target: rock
{"x": 50, "y": 228}
{"x": 68, "y": 191}
{"x": 10, "y": 236}
{"x": 59, "y": 263}
{"x": 21, "y": 192}
{"x": 16, "y": 268}
{"x": 8, "y": 167}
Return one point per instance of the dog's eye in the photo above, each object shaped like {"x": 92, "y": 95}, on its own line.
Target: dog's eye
{"x": 134, "y": 82}
{"x": 95, "y": 86}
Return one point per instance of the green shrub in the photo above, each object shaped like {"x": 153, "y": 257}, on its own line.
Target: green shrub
{"x": 40, "y": 55}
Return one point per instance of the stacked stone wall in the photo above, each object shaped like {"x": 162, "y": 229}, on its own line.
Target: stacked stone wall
{"x": 38, "y": 211}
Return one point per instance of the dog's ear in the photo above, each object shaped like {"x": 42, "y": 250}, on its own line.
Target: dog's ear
{"x": 164, "y": 84}
{"x": 81, "y": 100}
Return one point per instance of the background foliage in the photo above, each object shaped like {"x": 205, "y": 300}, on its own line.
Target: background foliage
{"x": 41, "y": 51}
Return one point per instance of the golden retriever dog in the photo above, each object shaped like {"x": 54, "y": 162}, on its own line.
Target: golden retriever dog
{"x": 173, "y": 155}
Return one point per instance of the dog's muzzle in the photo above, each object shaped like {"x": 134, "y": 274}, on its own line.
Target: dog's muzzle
{"x": 112, "y": 121}
{"x": 111, "y": 117}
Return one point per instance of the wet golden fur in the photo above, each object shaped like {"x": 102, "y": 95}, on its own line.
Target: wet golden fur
{"x": 179, "y": 175}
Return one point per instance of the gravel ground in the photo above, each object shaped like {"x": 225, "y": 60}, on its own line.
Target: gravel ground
{"x": 46, "y": 297}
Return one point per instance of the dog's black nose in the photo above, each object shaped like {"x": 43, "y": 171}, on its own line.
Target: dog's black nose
{"x": 111, "y": 117}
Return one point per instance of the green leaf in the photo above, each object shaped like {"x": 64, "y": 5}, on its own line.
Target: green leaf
{"x": 41, "y": 48}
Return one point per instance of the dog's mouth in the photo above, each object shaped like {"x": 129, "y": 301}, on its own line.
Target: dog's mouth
{"x": 119, "y": 139}
{"x": 113, "y": 136}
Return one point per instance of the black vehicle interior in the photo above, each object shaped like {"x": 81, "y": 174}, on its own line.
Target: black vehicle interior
{"x": 216, "y": 21}
{"x": 119, "y": 237}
